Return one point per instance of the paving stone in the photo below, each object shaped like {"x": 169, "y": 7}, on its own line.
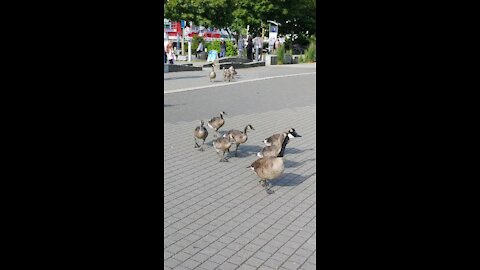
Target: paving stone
{"x": 227, "y": 266}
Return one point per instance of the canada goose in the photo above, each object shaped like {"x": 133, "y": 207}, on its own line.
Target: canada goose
{"x": 216, "y": 123}
{"x": 226, "y": 74}
{"x": 269, "y": 168}
{"x": 200, "y": 133}
{"x": 272, "y": 150}
{"x": 232, "y": 71}
{"x": 212, "y": 74}
{"x": 223, "y": 144}
{"x": 238, "y": 136}
{"x": 277, "y": 139}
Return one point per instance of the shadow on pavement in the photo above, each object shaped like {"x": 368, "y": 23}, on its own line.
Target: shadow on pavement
{"x": 291, "y": 179}
{"x": 248, "y": 149}
{"x": 296, "y": 150}
{"x": 291, "y": 164}
{"x": 189, "y": 77}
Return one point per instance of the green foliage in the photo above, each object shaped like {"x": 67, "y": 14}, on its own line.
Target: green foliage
{"x": 209, "y": 13}
{"x": 301, "y": 59}
{"x": 280, "y": 54}
{"x": 295, "y": 16}
{"x": 231, "y": 50}
{"x": 213, "y": 45}
{"x": 195, "y": 41}
{"x": 311, "y": 52}
{"x": 288, "y": 44}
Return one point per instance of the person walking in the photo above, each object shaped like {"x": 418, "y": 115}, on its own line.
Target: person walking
{"x": 277, "y": 44}
{"x": 223, "y": 48}
{"x": 249, "y": 48}
{"x": 170, "y": 53}
{"x": 258, "y": 47}
{"x": 199, "y": 49}
{"x": 241, "y": 45}
{"x": 165, "y": 44}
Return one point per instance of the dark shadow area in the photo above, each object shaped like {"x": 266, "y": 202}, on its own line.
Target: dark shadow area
{"x": 190, "y": 77}
{"x": 290, "y": 179}
{"x": 247, "y": 149}
{"x": 291, "y": 164}
{"x": 172, "y": 105}
{"x": 296, "y": 150}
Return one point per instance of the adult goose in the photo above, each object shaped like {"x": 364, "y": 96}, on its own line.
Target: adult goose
{"x": 212, "y": 74}
{"x": 217, "y": 122}
{"x": 277, "y": 139}
{"x": 200, "y": 133}
{"x": 274, "y": 143}
{"x": 269, "y": 168}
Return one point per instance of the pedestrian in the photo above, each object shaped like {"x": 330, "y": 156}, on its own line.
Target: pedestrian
{"x": 165, "y": 44}
{"x": 199, "y": 49}
{"x": 277, "y": 44}
{"x": 258, "y": 47}
{"x": 223, "y": 48}
{"x": 241, "y": 45}
{"x": 249, "y": 48}
{"x": 170, "y": 53}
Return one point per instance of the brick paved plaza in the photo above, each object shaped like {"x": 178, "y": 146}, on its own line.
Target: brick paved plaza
{"x": 217, "y": 215}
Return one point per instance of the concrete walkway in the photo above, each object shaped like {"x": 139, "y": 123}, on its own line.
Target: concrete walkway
{"x": 216, "y": 214}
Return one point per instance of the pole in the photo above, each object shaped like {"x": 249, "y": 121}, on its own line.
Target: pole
{"x": 183, "y": 41}
{"x": 189, "y": 51}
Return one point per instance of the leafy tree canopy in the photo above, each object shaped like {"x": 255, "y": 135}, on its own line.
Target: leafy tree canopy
{"x": 296, "y": 16}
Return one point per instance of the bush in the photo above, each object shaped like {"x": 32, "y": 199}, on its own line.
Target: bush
{"x": 280, "y": 54}
{"x": 231, "y": 50}
{"x": 311, "y": 53}
{"x": 215, "y": 45}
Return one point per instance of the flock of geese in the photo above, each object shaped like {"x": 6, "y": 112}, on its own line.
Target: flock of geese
{"x": 270, "y": 163}
{"x": 228, "y": 74}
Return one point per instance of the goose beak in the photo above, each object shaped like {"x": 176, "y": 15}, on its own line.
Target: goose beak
{"x": 295, "y": 134}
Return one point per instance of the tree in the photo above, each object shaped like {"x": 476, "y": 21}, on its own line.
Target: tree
{"x": 208, "y": 13}
{"x": 296, "y": 16}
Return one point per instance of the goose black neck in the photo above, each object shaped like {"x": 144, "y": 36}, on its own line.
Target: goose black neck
{"x": 284, "y": 144}
{"x": 245, "y": 130}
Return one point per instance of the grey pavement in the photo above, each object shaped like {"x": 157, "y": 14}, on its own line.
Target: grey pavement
{"x": 216, "y": 214}
{"x": 185, "y": 79}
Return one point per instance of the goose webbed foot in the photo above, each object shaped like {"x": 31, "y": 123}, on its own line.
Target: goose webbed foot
{"x": 196, "y": 145}
{"x": 201, "y": 149}
{"x": 262, "y": 182}
{"x": 269, "y": 191}
{"x": 268, "y": 185}
{"x": 223, "y": 160}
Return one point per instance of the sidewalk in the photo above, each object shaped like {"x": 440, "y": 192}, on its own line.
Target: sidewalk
{"x": 185, "y": 79}
{"x": 216, "y": 214}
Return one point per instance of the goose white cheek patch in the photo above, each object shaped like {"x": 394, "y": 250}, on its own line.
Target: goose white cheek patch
{"x": 291, "y": 136}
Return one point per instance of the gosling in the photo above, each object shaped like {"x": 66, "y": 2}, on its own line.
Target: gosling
{"x": 238, "y": 136}
{"x": 226, "y": 74}
{"x": 223, "y": 145}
